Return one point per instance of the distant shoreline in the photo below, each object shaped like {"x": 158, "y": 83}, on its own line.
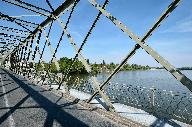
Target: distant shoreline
{"x": 184, "y": 69}
{"x": 176, "y": 68}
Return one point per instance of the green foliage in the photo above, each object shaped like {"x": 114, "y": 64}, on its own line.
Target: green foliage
{"x": 135, "y": 67}
{"x": 53, "y": 68}
{"x": 96, "y": 68}
{"x": 77, "y": 67}
{"x": 38, "y": 67}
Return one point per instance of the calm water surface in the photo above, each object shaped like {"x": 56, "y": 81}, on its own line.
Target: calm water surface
{"x": 160, "y": 79}
{"x": 133, "y": 88}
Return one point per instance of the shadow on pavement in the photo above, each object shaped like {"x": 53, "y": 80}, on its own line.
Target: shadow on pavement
{"x": 54, "y": 111}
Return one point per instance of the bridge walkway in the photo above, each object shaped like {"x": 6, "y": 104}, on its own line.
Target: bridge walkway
{"x": 24, "y": 104}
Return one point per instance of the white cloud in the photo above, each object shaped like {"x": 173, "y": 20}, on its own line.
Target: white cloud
{"x": 182, "y": 27}
{"x": 77, "y": 34}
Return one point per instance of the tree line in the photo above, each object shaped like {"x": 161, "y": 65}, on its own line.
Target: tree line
{"x": 77, "y": 67}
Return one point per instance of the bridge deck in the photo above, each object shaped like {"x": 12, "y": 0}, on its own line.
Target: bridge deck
{"x": 23, "y": 104}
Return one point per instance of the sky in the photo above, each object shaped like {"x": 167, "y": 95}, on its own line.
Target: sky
{"x": 172, "y": 40}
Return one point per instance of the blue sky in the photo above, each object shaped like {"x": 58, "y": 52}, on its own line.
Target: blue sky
{"x": 173, "y": 39}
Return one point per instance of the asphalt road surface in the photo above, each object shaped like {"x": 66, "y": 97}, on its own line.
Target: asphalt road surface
{"x": 26, "y": 105}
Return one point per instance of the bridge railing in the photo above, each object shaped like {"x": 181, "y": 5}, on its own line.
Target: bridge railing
{"x": 158, "y": 102}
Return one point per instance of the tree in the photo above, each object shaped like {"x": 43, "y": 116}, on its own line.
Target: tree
{"x": 68, "y": 66}
{"x": 53, "y": 68}
{"x": 88, "y": 61}
{"x": 103, "y": 62}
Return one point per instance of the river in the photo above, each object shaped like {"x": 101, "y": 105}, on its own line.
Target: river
{"x": 159, "y": 79}
{"x": 155, "y": 91}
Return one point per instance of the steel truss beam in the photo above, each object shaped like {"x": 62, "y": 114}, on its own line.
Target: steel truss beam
{"x": 11, "y": 36}
{"x": 28, "y": 6}
{"x": 11, "y": 19}
{"x": 176, "y": 73}
{"x": 84, "y": 41}
{"x": 8, "y": 39}
{"x": 17, "y": 31}
{"x": 66, "y": 5}
{"x": 61, "y": 37}
{"x": 87, "y": 67}
{"x": 27, "y": 23}
{"x": 165, "y": 14}
{"x": 20, "y": 51}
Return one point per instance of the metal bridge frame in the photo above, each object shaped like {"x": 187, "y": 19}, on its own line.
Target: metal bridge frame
{"x": 21, "y": 53}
